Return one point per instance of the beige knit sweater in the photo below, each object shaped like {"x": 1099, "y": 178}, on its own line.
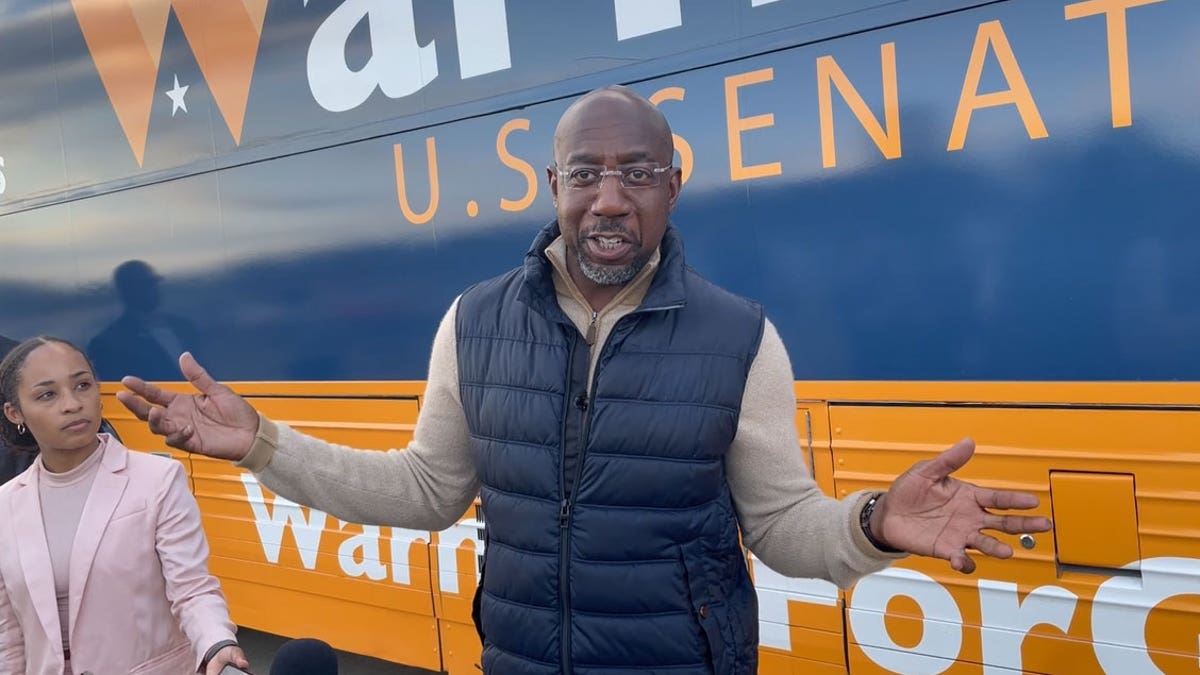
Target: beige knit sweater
{"x": 785, "y": 519}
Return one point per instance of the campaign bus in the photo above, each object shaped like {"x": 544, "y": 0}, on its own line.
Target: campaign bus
{"x": 965, "y": 217}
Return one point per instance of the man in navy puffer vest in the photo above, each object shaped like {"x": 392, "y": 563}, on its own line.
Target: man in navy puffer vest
{"x": 623, "y": 420}
{"x": 663, "y": 403}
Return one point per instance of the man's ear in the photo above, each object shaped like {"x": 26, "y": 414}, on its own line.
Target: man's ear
{"x": 674, "y": 185}
{"x": 552, "y": 181}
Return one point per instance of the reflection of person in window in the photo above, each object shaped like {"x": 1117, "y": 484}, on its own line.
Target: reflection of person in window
{"x": 143, "y": 339}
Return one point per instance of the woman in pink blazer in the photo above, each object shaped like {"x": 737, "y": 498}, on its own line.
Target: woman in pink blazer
{"x": 103, "y": 562}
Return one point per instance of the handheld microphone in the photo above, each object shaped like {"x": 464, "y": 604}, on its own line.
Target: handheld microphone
{"x": 305, "y": 656}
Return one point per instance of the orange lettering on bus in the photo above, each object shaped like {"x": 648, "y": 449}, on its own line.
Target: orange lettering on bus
{"x": 991, "y": 34}
{"x": 1118, "y": 50}
{"x": 516, "y": 164}
{"x": 829, "y": 73}
{"x": 681, "y": 145}
{"x": 402, "y": 191}
{"x": 735, "y": 125}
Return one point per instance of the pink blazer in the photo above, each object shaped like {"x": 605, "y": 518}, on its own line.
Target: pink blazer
{"x": 141, "y": 598}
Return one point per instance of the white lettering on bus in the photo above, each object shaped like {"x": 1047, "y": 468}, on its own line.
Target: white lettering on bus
{"x": 639, "y": 17}
{"x": 1122, "y": 605}
{"x": 3, "y": 181}
{"x": 398, "y": 65}
{"x": 286, "y": 513}
{"x": 481, "y": 27}
{"x": 774, "y": 593}
{"x": 359, "y": 555}
{"x": 1120, "y": 610}
{"x": 636, "y": 18}
{"x": 402, "y": 542}
{"x": 941, "y": 633}
{"x": 449, "y": 541}
{"x": 1006, "y": 619}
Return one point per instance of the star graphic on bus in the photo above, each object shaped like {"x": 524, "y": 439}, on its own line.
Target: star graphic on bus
{"x": 176, "y": 95}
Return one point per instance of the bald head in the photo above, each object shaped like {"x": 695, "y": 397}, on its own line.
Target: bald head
{"x": 612, "y": 226}
{"x": 606, "y": 106}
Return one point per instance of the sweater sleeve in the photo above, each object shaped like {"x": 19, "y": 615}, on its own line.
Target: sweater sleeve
{"x": 426, "y": 486}
{"x": 785, "y": 518}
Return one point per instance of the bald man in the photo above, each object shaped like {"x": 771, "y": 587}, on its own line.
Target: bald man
{"x": 623, "y": 420}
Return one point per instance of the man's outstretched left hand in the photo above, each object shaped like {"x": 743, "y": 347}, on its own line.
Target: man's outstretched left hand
{"x": 928, "y": 512}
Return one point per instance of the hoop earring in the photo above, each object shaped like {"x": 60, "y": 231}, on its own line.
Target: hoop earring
{"x": 20, "y": 429}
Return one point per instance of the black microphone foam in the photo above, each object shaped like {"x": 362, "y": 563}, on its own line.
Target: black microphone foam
{"x": 305, "y": 656}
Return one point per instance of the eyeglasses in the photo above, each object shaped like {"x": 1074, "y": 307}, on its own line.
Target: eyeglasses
{"x": 632, "y": 176}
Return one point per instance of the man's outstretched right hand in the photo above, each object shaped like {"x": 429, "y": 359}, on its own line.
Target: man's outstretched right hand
{"x": 215, "y": 422}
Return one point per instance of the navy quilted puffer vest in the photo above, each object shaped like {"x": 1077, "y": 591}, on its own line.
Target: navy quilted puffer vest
{"x": 612, "y": 543}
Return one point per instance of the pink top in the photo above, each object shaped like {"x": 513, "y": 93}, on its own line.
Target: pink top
{"x": 63, "y": 496}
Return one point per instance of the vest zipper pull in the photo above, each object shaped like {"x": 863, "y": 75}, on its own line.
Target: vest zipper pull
{"x": 592, "y": 328}
{"x": 564, "y": 513}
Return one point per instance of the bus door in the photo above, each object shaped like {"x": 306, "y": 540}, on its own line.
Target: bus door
{"x": 1113, "y": 589}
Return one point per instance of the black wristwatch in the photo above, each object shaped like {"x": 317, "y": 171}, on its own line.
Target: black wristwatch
{"x": 864, "y": 521}
{"x": 212, "y": 651}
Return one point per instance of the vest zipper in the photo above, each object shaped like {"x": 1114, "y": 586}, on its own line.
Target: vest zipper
{"x": 564, "y": 517}
{"x": 584, "y": 405}
{"x": 564, "y": 522}
{"x": 593, "y": 328}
